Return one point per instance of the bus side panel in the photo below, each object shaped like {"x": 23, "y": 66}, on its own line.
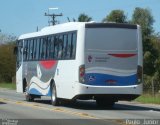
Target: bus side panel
{"x": 67, "y": 77}
{"x": 19, "y": 67}
{"x": 39, "y": 75}
{"x": 19, "y": 83}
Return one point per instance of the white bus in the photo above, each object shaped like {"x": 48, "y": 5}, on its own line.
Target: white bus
{"x": 75, "y": 60}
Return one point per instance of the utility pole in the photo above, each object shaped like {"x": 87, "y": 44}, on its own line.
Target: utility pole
{"x": 52, "y": 16}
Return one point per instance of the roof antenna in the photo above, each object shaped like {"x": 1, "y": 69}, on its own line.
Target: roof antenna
{"x": 53, "y": 16}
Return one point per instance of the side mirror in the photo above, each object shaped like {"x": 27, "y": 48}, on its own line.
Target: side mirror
{"x": 15, "y": 51}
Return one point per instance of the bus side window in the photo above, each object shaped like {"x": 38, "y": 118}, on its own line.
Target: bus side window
{"x": 19, "y": 44}
{"x": 69, "y": 40}
{"x": 56, "y": 47}
{"x": 64, "y": 46}
{"x": 34, "y": 48}
{"x": 52, "y": 48}
{"x": 73, "y": 46}
{"x": 25, "y": 50}
{"x": 47, "y": 47}
{"x": 41, "y": 49}
{"x": 28, "y": 49}
{"x": 44, "y": 48}
{"x": 31, "y": 50}
{"x": 37, "y": 48}
{"x": 60, "y": 47}
{"x": 19, "y": 53}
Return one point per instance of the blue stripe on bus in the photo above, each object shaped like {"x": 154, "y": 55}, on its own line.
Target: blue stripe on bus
{"x": 110, "y": 80}
{"x": 36, "y": 92}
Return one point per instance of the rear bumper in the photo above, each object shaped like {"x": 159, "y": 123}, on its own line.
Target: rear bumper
{"x": 118, "y": 92}
{"x": 113, "y": 97}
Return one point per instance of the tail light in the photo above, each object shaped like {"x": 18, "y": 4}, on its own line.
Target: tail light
{"x": 81, "y": 73}
{"x": 139, "y": 74}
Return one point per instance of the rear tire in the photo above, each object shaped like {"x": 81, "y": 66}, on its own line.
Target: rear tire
{"x": 29, "y": 97}
{"x": 54, "y": 100}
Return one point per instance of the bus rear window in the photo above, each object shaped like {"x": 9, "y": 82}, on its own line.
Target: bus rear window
{"x": 111, "y": 39}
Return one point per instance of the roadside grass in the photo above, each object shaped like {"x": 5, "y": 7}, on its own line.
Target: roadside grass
{"x": 147, "y": 98}
{"x": 8, "y": 85}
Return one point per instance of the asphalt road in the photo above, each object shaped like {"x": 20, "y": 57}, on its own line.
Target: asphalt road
{"x": 13, "y": 107}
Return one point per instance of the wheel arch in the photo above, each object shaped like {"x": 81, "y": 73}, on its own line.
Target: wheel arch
{"x": 24, "y": 84}
{"x": 52, "y": 83}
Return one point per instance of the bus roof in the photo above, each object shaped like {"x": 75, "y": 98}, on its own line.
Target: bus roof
{"x": 72, "y": 26}
{"x": 65, "y": 27}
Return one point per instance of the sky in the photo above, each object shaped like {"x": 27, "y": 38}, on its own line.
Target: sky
{"x": 23, "y": 16}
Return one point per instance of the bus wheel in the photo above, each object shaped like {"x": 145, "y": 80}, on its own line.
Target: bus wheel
{"x": 29, "y": 97}
{"x": 104, "y": 103}
{"x": 54, "y": 100}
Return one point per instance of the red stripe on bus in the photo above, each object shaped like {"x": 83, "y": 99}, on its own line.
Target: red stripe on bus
{"x": 48, "y": 64}
{"x": 122, "y": 55}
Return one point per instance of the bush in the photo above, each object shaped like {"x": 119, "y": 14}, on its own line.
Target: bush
{"x": 7, "y": 63}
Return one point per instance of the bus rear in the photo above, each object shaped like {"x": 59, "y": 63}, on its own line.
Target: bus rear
{"x": 113, "y": 61}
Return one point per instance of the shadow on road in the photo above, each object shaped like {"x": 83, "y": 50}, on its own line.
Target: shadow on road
{"x": 135, "y": 107}
{"x": 91, "y": 105}
{"x": 2, "y": 103}
{"x": 43, "y": 101}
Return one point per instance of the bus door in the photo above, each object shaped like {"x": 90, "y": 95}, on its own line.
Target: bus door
{"x": 19, "y": 65}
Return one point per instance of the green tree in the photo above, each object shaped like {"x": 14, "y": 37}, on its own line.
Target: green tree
{"x": 84, "y": 18}
{"x": 7, "y": 58}
{"x": 117, "y": 16}
{"x": 144, "y": 18}
{"x": 7, "y": 63}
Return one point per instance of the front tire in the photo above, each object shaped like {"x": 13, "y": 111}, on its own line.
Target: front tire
{"x": 29, "y": 97}
{"x": 54, "y": 100}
